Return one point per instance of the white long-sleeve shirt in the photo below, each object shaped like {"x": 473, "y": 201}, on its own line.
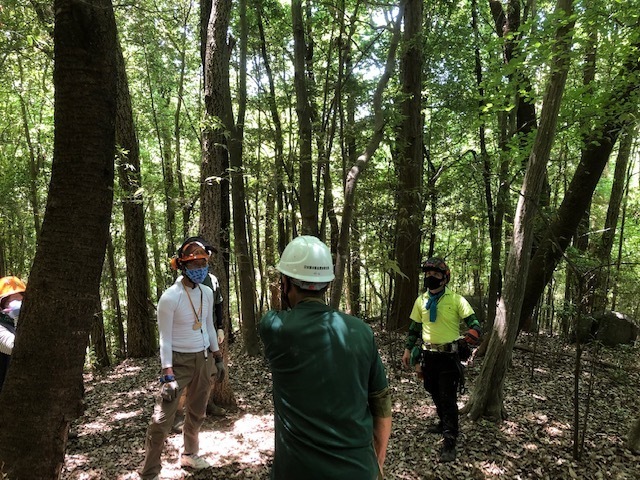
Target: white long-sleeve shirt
{"x": 176, "y": 320}
{"x": 7, "y": 339}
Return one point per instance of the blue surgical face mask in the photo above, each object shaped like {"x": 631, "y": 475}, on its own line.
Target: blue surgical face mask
{"x": 197, "y": 275}
{"x": 13, "y": 309}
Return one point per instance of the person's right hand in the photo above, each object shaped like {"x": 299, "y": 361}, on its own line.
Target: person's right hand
{"x": 169, "y": 391}
{"x": 406, "y": 356}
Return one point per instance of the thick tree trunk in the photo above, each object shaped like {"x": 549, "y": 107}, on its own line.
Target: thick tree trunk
{"x": 215, "y": 155}
{"x": 141, "y": 339}
{"x": 43, "y": 391}
{"x": 487, "y": 397}
{"x": 622, "y": 101}
{"x": 410, "y": 164}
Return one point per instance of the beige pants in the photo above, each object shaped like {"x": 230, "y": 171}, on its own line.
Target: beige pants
{"x": 192, "y": 370}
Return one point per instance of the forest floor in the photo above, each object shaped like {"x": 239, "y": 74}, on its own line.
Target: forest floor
{"x": 534, "y": 442}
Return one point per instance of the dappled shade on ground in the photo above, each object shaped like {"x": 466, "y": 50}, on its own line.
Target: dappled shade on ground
{"x": 535, "y": 442}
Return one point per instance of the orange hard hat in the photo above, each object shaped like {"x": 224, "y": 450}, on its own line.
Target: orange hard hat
{"x": 11, "y": 285}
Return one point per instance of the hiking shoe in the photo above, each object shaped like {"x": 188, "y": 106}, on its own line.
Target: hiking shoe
{"x": 215, "y": 410}
{"x": 448, "y": 453}
{"x": 435, "y": 428}
{"x": 194, "y": 461}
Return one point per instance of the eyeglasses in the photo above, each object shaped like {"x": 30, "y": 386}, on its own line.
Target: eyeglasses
{"x": 198, "y": 263}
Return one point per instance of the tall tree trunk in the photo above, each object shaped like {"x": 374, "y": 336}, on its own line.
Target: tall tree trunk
{"x": 141, "y": 340}
{"x": 114, "y": 296}
{"x": 362, "y": 161}
{"x": 308, "y": 206}
{"x": 164, "y": 144}
{"x": 215, "y": 16}
{"x": 240, "y": 217}
{"x": 494, "y": 212}
{"x": 410, "y": 167}
{"x": 601, "y": 285}
{"x": 33, "y": 162}
{"x": 619, "y": 105}
{"x": 621, "y": 239}
{"x": 65, "y": 279}
{"x": 98, "y": 339}
{"x": 487, "y": 397}
{"x": 275, "y": 195}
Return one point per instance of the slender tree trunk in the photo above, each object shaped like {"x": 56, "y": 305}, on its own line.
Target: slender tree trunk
{"x": 164, "y": 144}
{"x": 274, "y": 208}
{"x": 64, "y": 281}
{"x": 410, "y": 167}
{"x": 33, "y": 162}
{"x": 155, "y": 248}
{"x": 114, "y": 296}
{"x": 362, "y": 161}
{"x": 98, "y": 339}
{"x": 240, "y": 218}
{"x": 487, "y": 397}
{"x": 601, "y": 285}
{"x": 186, "y": 206}
{"x": 308, "y": 206}
{"x": 621, "y": 238}
{"x": 141, "y": 340}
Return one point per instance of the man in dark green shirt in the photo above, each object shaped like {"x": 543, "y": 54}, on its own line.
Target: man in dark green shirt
{"x": 332, "y": 405}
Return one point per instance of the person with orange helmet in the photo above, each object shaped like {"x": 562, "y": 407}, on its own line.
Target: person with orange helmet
{"x": 435, "y": 320}
{"x": 11, "y": 293}
{"x": 190, "y": 356}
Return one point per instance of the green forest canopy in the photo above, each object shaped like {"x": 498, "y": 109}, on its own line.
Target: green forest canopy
{"x": 161, "y": 46}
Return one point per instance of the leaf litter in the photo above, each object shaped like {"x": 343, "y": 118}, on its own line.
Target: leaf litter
{"x": 534, "y": 442}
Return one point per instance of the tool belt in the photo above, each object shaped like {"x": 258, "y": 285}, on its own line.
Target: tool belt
{"x": 441, "y": 347}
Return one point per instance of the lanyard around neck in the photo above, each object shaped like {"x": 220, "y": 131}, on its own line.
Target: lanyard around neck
{"x": 197, "y": 324}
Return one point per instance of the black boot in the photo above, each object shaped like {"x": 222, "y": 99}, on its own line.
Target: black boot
{"x": 448, "y": 451}
{"x": 435, "y": 428}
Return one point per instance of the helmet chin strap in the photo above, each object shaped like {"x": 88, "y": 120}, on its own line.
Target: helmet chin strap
{"x": 285, "y": 286}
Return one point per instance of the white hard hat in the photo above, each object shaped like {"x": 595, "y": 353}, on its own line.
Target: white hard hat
{"x": 307, "y": 258}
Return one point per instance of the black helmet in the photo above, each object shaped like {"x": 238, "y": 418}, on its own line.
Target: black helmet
{"x": 439, "y": 265}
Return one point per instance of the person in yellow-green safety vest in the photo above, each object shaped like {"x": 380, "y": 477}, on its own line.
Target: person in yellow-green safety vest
{"x": 435, "y": 319}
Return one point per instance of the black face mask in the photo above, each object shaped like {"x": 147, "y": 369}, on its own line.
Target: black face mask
{"x": 432, "y": 283}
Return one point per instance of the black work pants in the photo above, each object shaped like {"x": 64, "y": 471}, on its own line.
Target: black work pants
{"x": 441, "y": 377}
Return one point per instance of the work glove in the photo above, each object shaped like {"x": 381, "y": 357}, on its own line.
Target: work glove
{"x": 472, "y": 337}
{"x": 220, "y": 333}
{"x": 169, "y": 390}
{"x": 221, "y": 371}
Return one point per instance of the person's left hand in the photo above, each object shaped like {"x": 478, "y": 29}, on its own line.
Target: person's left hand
{"x": 220, "y": 333}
